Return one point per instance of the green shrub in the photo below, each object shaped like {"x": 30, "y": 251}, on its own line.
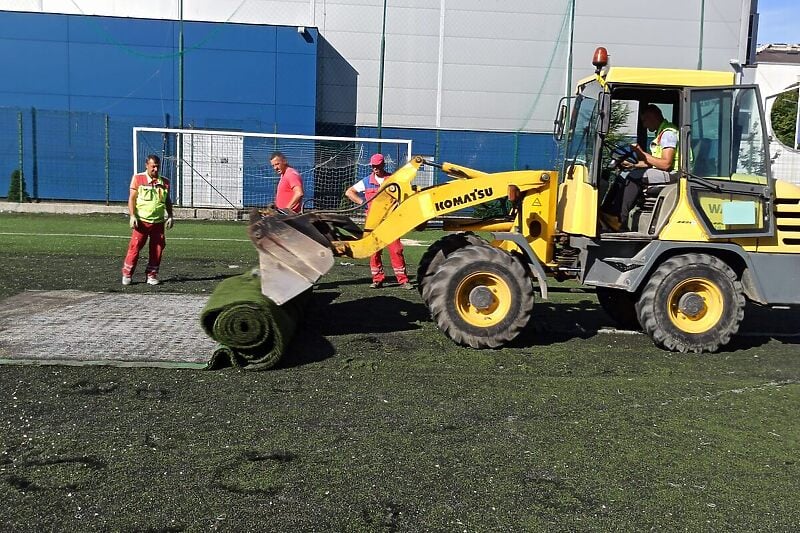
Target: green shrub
{"x": 17, "y": 192}
{"x": 493, "y": 209}
{"x": 784, "y": 116}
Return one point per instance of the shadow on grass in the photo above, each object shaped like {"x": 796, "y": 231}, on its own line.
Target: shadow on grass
{"x": 762, "y": 324}
{"x": 324, "y": 317}
{"x": 552, "y": 322}
{"x": 373, "y": 314}
{"x": 182, "y": 279}
{"x": 559, "y": 322}
{"x": 332, "y": 285}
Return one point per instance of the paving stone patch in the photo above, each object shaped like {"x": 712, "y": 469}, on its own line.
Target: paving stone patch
{"x": 76, "y": 327}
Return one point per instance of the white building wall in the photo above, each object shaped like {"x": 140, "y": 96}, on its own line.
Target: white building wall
{"x": 462, "y": 64}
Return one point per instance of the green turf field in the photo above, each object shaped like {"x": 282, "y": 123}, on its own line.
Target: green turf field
{"x": 377, "y": 422}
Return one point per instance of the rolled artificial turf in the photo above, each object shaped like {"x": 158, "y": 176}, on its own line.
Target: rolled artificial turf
{"x": 253, "y": 332}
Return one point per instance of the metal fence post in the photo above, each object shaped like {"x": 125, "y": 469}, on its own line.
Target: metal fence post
{"x": 34, "y": 156}
{"x": 108, "y": 162}
{"x": 21, "y": 154}
{"x": 191, "y": 170}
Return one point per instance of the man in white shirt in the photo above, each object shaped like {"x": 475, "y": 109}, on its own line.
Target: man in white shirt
{"x": 369, "y": 187}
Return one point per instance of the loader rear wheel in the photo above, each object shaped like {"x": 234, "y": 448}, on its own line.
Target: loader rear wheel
{"x": 438, "y": 251}
{"x": 620, "y": 305}
{"x": 480, "y": 296}
{"x": 692, "y": 303}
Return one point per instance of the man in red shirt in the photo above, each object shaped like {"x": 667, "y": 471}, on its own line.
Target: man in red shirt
{"x": 290, "y": 187}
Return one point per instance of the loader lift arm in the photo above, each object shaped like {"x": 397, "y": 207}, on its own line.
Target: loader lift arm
{"x": 295, "y": 250}
{"x": 399, "y": 206}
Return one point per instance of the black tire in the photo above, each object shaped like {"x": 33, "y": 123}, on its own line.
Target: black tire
{"x": 439, "y": 250}
{"x": 692, "y": 303}
{"x": 620, "y": 305}
{"x": 480, "y": 273}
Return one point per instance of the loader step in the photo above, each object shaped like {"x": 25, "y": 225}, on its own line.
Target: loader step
{"x": 626, "y": 236}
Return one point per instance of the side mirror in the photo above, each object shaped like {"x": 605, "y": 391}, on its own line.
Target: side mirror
{"x": 604, "y": 113}
{"x": 560, "y": 121}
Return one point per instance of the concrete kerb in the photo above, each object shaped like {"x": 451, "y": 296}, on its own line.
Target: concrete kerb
{"x": 67, "y": 208}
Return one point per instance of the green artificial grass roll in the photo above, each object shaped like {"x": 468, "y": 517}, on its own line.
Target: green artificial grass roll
{"x": 245, "y": 326}
{"x": 252, "y": 330}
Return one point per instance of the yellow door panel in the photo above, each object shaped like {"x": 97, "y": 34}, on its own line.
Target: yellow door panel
{"x": 577, "y": 204}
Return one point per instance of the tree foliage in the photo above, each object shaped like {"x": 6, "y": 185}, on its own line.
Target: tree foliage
{"x": 620, "y": 112}
{"x": 17, "y": 192}
{"x": 783, "y": 117}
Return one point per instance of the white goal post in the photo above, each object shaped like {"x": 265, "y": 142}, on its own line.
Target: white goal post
{"x": 231, "y": 169}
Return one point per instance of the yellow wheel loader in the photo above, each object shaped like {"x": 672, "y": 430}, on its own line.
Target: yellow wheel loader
{"x": 697, "y": 249}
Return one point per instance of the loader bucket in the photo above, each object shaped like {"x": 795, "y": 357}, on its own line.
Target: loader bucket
{"x": 292, "y": 253}
{"x": 294, "y": 250}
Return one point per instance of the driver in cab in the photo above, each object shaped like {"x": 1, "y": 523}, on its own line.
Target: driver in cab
{"x": 656, "y": 167}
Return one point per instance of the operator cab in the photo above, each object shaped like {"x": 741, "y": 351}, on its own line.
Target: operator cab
{"x": 723, "y": 184}
{"x": 656, "y": 201}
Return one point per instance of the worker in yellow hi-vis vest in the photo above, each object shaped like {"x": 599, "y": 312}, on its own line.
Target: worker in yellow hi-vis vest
{"x": 150, "y": 210}
{"x": 658, "y": 166}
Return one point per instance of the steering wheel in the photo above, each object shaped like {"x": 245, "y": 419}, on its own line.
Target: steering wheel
{"x": 620, "y": 153}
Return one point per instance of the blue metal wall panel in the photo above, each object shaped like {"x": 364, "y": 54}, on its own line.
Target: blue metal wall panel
{"x": 234, "y": 37}
{"x": 289, "y": 41}
{"x": 135, "y": 35}
{"x": 19, "y": 26}
{"x": 299, "y": 119}
{"x": 424, "y": 142}
{"x": 111, "y": 71}
{"x": 33, "y": 67}
{"x": 23, "y": 100}
{"x": 538, "y": 152}
{"x": 292, "y": 88}
{"x": 221, "y": 75}
{"x": 236, "y": 76}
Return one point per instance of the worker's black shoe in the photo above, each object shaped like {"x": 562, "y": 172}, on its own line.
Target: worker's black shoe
{"x": 609, "y": 222}
{"x": 376, "y": 285}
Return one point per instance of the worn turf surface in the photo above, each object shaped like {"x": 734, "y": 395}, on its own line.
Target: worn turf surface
{"x": 377, "y": 422}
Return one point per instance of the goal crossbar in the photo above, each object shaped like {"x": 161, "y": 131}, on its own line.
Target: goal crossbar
{"x": 231, "y": 169}
{"x": 260, "y": 135}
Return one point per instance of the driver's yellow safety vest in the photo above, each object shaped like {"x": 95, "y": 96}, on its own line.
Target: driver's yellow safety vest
{"x": 655, "y": 145}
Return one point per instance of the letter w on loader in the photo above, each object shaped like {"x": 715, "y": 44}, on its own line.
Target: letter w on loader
{"x": 722, "y": 232}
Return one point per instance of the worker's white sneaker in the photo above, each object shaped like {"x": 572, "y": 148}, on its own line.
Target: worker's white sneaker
{"x": 152, "y": 280}
{"x": 126, "y": 280}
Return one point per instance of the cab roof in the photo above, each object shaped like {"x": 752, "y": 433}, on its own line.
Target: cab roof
{"x": 665, "y": 77}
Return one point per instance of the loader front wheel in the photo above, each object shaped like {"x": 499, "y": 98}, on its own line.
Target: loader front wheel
{"x": 438, "y": 251}
{"x": 620, "y": 305}
{"x": 480, "y": 296}
{"x": 692, "y": 303}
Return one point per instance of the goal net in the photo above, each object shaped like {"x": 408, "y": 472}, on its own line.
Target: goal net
{"x": 228, "y": 169}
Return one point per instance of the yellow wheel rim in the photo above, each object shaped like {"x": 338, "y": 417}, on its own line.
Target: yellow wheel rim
{"x": 483, "y": 299}
{"x": 695, "y": 305}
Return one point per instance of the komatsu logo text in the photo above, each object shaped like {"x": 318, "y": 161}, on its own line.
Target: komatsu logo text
{"x": 474, "y": 196}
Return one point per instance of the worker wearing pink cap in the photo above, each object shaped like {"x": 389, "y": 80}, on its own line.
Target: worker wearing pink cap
{"x": 369, "y": 187}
